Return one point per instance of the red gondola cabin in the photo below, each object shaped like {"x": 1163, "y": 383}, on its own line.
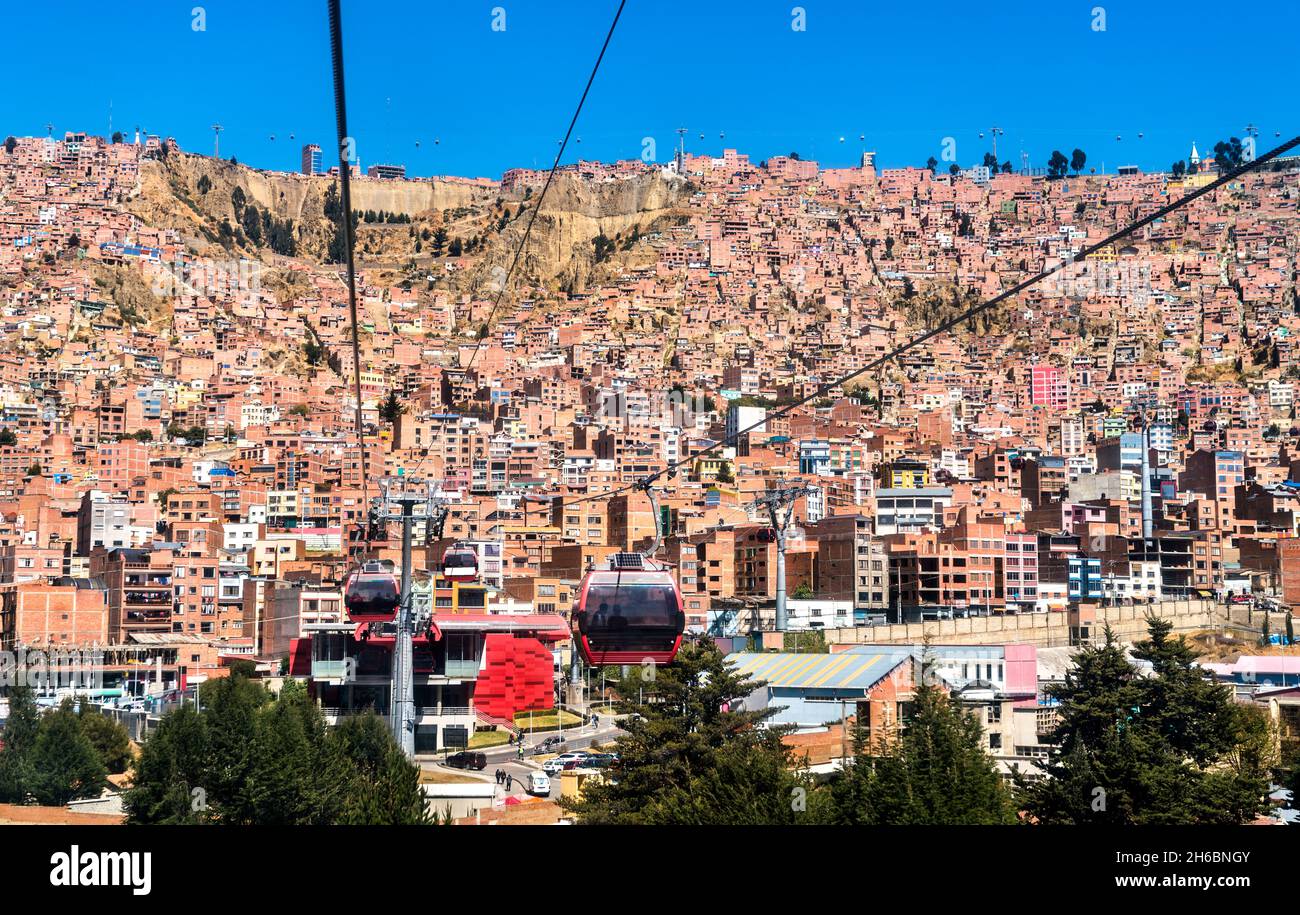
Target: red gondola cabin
{"x": 460, "y": 563}
{"x": 629, "y": 613}
{"x": 372, "y": 594}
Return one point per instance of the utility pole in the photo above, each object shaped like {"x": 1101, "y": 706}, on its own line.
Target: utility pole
{"x": 216, "y": 141}
{"x": 681, "y": 150}
{"x": 779, "y": 503}
{"x": 996, "y": 131}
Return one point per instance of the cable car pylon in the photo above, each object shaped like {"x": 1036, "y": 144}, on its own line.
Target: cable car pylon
{"x": 779, "y": 502}
{"x": 433, "y": 513}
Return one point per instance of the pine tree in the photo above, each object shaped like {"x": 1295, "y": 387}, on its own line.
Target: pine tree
{"x": 20, "y": 732}
{"x": 230, "y": 710}
{"x": 686, "y": 747}
{"x": 936, "y": 773}
{"x": 392, "y": 408}
{"x": 170, "y": 781}
{"x": 1171, "y": 748}
{"x": 295, "y": 777}
{"x": 64, "y": 765}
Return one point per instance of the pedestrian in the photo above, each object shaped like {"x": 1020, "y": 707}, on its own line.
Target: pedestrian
{"x": 499, "y": 774}
{"x": 510, "y": 782}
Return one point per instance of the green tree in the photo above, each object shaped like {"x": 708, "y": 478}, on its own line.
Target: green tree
{"x": 169, "y": 781}
{"x": 10, "y": 144}
{"x": 936, "y": 773}
{"x": 231, "y": 706}
{"x": 1228, "y": 154}
{"x": 386, "y": 787}
{"x": 294, "y": 776}
{"x": 20, "y": 732}
{"x": 7, "y": 437}
{"x": 64, "y": 765}
{"x": 392, "y": 408}
{"x": 1057, "y": 164}
{"x": 251, "y": 220}
{"x": 204, "y": 184}
{"x": 692, "y": 755}
{"x": 109, "y": 737}
{"x": 313, "y": 350}
{"x": 1171, "y": 748}
{"x": 1078, "y": 159}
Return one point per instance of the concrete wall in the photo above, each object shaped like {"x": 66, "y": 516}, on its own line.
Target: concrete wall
{"x": 1043, "y": 629}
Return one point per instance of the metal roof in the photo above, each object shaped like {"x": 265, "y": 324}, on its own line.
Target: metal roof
{"x": 846, "y": 670}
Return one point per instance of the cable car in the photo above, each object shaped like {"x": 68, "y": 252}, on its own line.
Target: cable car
{"x": 629, "y": 613}
{"x": 460, "y": 563}
{"x": 372, "y": 594}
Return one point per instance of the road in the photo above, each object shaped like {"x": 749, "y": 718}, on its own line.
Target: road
{"x": 506, "y": 758}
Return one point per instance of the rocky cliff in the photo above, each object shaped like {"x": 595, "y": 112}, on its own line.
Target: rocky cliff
{"x": 197, "y": 194}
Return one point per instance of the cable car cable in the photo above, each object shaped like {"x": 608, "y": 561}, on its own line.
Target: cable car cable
{"x": 537, "y": 208}
{"x": 945, "y": 326}
{"x": 349, "y": 237}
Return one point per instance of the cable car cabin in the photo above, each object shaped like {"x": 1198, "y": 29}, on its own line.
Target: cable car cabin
{"x": 629, "y": 613}
{"x": 372, "y": 595}
{"x": 460, "y": 563}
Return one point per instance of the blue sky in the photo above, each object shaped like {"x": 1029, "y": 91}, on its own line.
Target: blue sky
{"x": 905, "y": 75}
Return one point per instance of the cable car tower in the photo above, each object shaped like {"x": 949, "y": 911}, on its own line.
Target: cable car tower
{"x": 411, "y": 503}
{"x": 779, "y": 502}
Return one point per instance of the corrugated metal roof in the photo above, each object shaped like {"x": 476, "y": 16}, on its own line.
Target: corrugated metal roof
{"x": 847, "y": 670}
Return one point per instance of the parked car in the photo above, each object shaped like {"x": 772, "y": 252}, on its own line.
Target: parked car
{"x": 558, "y": 764}
{"x": 539, "y": 784}
{"x": 599, "y": 761}
{"x": 552, "y": 744}
{"x": 467, "y": 759}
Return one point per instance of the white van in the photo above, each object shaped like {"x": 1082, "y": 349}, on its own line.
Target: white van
{"x": 539, "y": 783}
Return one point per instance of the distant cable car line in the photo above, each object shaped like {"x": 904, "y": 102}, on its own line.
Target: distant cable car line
{"x": 505, "y": 282}
{"x": 945, "y": 326}
{"x": 537, "y": 208}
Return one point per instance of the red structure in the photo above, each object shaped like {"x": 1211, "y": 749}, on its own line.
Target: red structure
{"x": 516, "y": 676}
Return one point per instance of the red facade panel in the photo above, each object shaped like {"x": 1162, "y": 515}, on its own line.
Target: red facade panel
{"x": 516, "y": 676}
